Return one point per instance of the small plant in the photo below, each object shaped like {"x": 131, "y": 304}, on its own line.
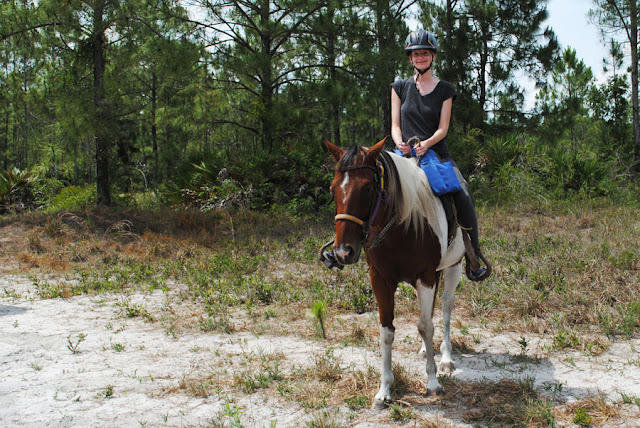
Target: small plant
{"x": 108, "y": 391}
{"x": 582, "y": 418}
{"x": 35, "y": 365}
{"x": 233, "y": 412}
{"x": 357, "y": 401}
{"x": 118, "y": 347}
{"x": 540, "y": 413}
{"x": 132, "y": 310}
{"x": 327, "y": 366}
{"x": 74, "y": 347}
{"x": 630, "y": 399}
{"x": 523, "y": 345}
{"x": 324, "y": 419}
{"x": 399, "y": 413}
{"x": 319, "y": 311}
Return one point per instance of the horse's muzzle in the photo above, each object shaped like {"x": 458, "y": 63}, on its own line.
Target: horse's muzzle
{"x": 347, "y": 254}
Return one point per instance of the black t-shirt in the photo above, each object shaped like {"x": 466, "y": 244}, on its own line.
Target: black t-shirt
{"x": 420, "y": 114}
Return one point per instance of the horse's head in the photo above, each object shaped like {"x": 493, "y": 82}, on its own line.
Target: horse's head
{"x": 356, "y": 189}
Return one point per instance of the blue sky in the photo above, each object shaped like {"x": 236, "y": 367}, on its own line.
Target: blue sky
{"x": 569, "y": 20}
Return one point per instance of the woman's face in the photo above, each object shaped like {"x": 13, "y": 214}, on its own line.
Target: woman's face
{"x": 421, "y": 58}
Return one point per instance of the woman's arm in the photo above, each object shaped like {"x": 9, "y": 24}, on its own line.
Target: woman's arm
{"x": 441, "y": 132}
{"x": 396, "y": 129}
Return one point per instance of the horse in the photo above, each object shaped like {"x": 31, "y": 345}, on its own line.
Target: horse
{"x": 385, "y": 205}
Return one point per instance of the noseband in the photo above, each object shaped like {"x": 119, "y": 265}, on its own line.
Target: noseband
{"x": 382, "y": 196}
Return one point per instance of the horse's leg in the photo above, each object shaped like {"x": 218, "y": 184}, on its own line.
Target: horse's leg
{"x": 452, "y": 277}
{"x": 426, "y": 296}
{"x": 385, "y": 295}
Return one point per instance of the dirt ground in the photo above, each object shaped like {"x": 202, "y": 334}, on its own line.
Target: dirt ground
{"x": 79, "y": 362}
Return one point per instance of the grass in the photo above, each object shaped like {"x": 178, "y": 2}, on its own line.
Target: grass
{"x": 569, "y": 272}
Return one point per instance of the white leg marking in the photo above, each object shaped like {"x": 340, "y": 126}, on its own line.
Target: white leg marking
{"x": 386, "y": 378}
{"x": 425, "y": 327}
{"x": 452, "y": 277}
{"x": 343, "y": 186}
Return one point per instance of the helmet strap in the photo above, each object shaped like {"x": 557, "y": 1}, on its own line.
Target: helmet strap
{"x": 421, "y": 72}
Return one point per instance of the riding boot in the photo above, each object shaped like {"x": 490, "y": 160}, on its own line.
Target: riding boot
{"x": 466, "y": 214}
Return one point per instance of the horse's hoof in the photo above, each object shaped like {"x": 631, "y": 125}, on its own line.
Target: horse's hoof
{"x": 379, "y": 404}
{"x": 447, "y": 368}
{"x": 438, "y": 392}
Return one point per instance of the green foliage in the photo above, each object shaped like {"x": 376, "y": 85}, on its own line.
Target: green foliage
{"x": 73, "y": 198}
{"x": 17, "y": 190}
{"x": 582, "y": 418}
{"x": 319, "y": 312}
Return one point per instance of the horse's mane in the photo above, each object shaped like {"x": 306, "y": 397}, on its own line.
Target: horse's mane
{"x": 410, "y": 194}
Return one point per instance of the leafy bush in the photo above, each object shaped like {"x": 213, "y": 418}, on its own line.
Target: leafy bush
{"x": 74, "y": 198}
{"x": 297, "y": 179}
{"x": 17, "y": 190}
{"x": 586, "y": 173}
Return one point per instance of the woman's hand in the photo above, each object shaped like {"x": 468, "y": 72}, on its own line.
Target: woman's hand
{"x": 404, "y": 148}
{"x": 421, "y": 148}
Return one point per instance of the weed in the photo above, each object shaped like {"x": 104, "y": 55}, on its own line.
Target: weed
{"x": 582, "y": 418}
{"x": 523, "y": 345}
{"x": 539, "y": 413}
{"x": 74, "y": 347}
{"x": 35, "y": 365}
{"x": 108, "y": 391}
{"x": 312, "y": 395}
{"x": 327, "y": 367}
{"x": 399, "y": 413}
{"x": 324, "y": 419}
{"x": 319, "y": 311}
{"x": 357, "y": 401}
{"x": 132, "y": 310}
{"x": 253, "y": 380}
{"x": 118, "y": 347}
{"x": 630, "y": 399}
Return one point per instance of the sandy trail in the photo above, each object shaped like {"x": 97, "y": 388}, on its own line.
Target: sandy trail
{"x": 129, "y": 373}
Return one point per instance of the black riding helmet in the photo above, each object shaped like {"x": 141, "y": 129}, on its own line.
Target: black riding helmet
{"x": 420, "y": 39}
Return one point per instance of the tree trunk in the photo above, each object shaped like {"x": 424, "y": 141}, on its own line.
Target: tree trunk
{"x": 103, "y": 184}
{"x": 154, "y": 126}
{"x": 5, "y": 145}
{"x": 634, "y": 76}
{"x": 449, "y": 35}
{"x": 334, "y": 110}
{"x": 383, "y": 72}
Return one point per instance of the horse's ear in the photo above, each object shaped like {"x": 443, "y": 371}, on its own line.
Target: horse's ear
{"x": 335, "y": 151}
{"x": 374, "y": 151}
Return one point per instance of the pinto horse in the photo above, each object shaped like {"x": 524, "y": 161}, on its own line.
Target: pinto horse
{"x": 385, "y": 205}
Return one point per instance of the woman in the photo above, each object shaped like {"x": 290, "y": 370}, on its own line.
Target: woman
{"x": 421, "y": 107}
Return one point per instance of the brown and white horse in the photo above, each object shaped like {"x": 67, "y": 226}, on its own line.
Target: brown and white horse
{"x": 385, "y": 205}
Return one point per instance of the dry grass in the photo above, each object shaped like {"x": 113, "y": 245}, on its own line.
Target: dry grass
{"x": 571, "y": 273}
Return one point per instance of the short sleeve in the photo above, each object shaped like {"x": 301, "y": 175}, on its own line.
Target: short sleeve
{"x": 448, "y": 91}
{"x": 399, "y": 87}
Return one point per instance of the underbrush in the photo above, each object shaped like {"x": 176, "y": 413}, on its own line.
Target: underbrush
{"x": 567, "y": 271}
{"x": 560, "y": 269}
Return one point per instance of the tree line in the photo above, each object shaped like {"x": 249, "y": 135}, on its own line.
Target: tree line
{"x": 132, "y": 95}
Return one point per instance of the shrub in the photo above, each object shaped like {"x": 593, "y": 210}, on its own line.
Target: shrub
{"x": 74, "y": 198}
{"x": 17, "y": 190}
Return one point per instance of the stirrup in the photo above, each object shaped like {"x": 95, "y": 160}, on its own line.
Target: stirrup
{"x": 474, "y": 270}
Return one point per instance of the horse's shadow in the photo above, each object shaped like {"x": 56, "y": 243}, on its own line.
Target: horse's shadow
{"x": 7, "y": 310}
{"x": 491, "y": 387}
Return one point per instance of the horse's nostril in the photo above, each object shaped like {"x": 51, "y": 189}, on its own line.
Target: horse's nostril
{"x": 343, "y": 252}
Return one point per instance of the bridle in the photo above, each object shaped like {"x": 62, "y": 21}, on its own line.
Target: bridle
{"x": 382, "y": 195}
{"x": 379, "y": 173}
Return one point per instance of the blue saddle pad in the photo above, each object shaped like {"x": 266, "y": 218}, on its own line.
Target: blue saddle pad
{"x": 441, "y": 175}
